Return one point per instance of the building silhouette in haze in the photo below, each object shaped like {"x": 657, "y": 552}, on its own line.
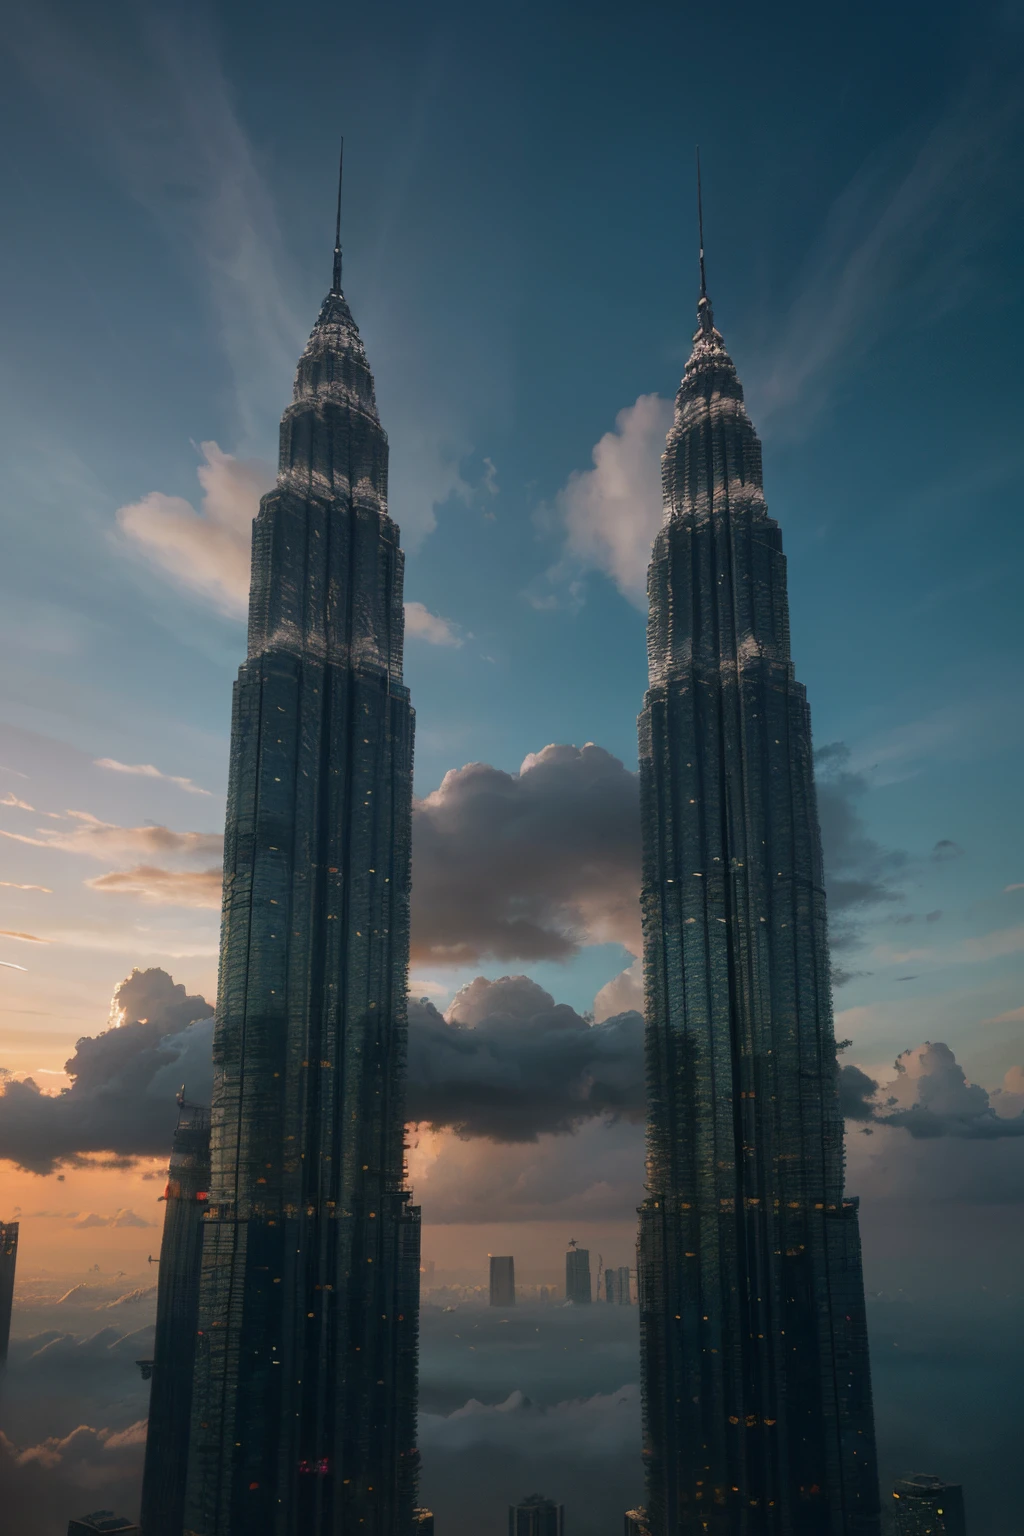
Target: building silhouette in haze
{"x": 577, "y": 1276}
{"x": 536, "y": 1516}
{"x": 177, "y": 1301}
{"x": 756, "y": 1385}
{"x": 616, "y": 1286}
{"x": 304, "y": 1403}
{"x": 8, "y": 1265}
{"x": 102, "y": 1523}
{"x": 503, "y": 1281}
{"x": 926, "y": 1506}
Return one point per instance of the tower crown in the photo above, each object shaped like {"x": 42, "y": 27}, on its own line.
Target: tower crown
{"x": 334, "y": 364}
{"x": 712, "y": 457}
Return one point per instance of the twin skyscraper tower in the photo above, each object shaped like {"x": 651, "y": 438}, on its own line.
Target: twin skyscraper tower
{"x": 299, "y": 1354}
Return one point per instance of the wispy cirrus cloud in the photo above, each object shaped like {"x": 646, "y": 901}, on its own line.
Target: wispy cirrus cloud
{"x": 163, "y": 887}
{"x": 148, "y": 771}
{"x": 107, "y": 841}
{"x": 878, "y": 245}
{"x": 902, "y": 238}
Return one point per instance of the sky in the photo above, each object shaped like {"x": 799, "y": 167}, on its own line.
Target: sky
{"x": 520, "y": 256}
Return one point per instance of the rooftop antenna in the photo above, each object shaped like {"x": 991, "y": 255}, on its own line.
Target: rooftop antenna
{"x": 336, "y": 281}
{"x": 700, "y": 227}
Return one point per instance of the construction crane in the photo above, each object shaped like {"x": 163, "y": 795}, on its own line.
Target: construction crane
{"x": 573, "y": 1243}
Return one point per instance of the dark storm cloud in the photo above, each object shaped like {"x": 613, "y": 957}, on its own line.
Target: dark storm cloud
{"x": 123, "y": 1081}
{"x": 856, "y": 1090}
{"x": 510, "y": 1063}
{"x": 930, "y": 1097}
{"x": 859, "y": 872}
{"x": 527, "y": 866}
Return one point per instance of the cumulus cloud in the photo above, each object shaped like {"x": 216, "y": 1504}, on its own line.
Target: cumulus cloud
{"x": 612, "y": 512}
{"x": 206, "y": 550}
{"x": 508, "y": 1063}
{"x": 120, "y": 1218}
{"x": 148, "y": 771}
{"x": 43, "y": 1482}
{"x": 123, "y": 1082}
{"x": 930, "y": 1096}
{"x": 421, "y": 624}
{"x": 623, "y": 994}
{"x": 596, "y": 1174}
{"x": 163, "y": 887}
{"x": 593, "y": 1427}
{"x": 528, "y": 865}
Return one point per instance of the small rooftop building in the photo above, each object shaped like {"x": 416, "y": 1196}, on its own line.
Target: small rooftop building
{"x": 536, "y": 1516}
{"x": 102, "y": 1521}
{"x": 503, "y": 1280}
{"x": 577, "y": 1276}
{"x": 923, "y": 1505}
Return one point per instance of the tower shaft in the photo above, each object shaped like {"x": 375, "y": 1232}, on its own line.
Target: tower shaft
{"x": 170, "y": 1398}
{"x": 757, "y": 1401}
{"x": 303, "y": 1418}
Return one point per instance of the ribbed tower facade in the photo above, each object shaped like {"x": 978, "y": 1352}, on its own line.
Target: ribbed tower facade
{"x": 172, "y": 1365}
{"x": 305, "y": 1397}
{"x": 757, "y": 1396}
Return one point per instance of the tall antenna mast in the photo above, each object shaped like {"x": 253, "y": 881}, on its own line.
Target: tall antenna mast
{"x": 700, "y": 227}
{"x": 336, "y": 280}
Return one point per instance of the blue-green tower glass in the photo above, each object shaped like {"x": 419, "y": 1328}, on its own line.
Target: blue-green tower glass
{"x": 756, "y": 1384}
{"x": 303, "y": 1420}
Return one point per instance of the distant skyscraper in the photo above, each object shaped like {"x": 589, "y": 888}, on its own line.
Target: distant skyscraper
{"x": 103, "y": 1523}
{"x": 616, "y": 1286}
{"x": 304, "y": 1406}
{"x": 8, "y": 1264}
{"x": 926, "y": 1506}
{"x": 177, "y": 1302}
{"x": 536, "y": 1516}
{"x": 757, "y": 1394}
{"x": 577, "y": 1276}
{"x": 423, "y": 1522}
{"x": 503, "y": 1281}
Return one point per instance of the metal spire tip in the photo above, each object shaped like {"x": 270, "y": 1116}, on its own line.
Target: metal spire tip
{"x": 336, "y": 280}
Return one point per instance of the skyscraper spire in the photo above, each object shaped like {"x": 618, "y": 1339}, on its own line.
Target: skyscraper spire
{"x": 756, "y": 1383}
{"x": 705, "y": 315}
{"x": 336, "y": 280}
{"x": 700, "y": 228}
{"x": 304, "y": 1402}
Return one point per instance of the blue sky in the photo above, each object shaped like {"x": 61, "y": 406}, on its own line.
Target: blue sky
{"x": 519, "y": 254}
{"x": 519, "y": 233}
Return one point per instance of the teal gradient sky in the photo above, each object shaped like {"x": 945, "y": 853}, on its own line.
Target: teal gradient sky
{"x": 519, "y": 255}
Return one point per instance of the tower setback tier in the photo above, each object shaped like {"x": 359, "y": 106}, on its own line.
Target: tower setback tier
{"x": 757, "y": 1398}
{"x": 303, "y": 1420}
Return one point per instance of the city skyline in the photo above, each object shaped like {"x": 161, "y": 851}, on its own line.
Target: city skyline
{"x": 520, "y": 293}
